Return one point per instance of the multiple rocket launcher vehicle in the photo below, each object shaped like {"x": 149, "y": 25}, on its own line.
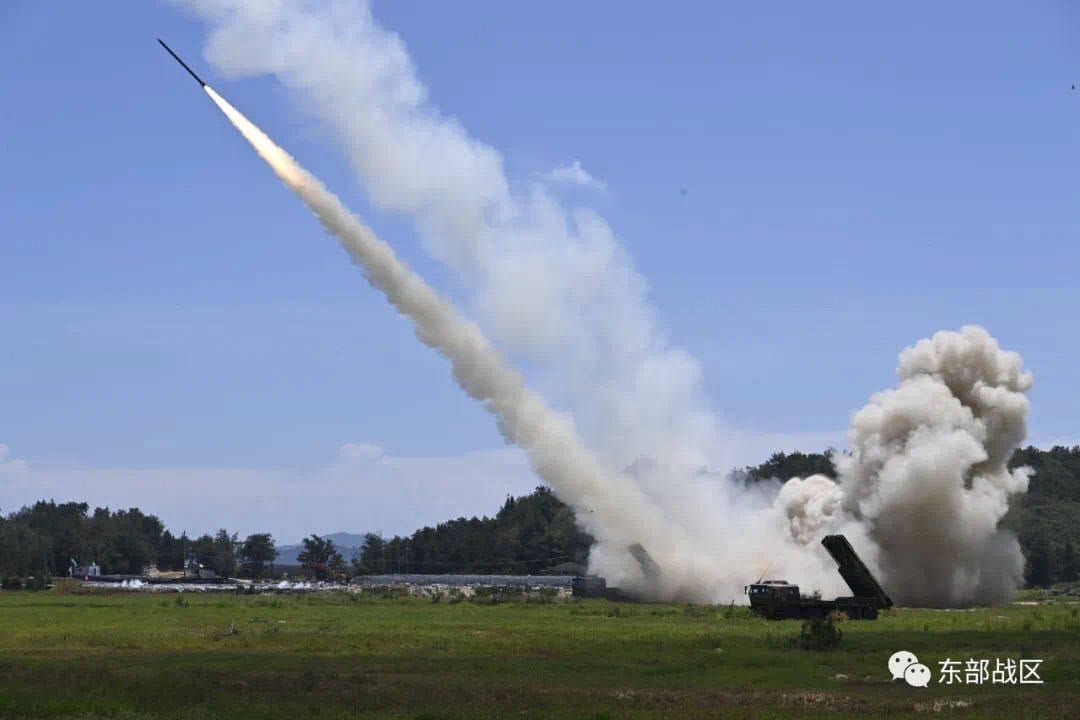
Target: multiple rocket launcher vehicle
{"x": 779, "y": 600}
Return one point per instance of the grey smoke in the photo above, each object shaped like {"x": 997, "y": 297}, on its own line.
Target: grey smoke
{"x": 927, "y": 478}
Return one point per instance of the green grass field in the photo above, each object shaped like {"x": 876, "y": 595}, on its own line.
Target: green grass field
{"x": 329, "y": 656}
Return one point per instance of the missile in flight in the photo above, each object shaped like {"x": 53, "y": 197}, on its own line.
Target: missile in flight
{"x": 177, "y": 58}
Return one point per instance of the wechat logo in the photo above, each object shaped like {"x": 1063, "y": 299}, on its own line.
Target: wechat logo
{"x": 903, "y": 665}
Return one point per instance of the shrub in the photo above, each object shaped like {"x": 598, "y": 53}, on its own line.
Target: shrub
{"x": 496, "y": 595}
{"x": 66, "y": 586}
{"x": 818, "y": 634}
{"x": 38, "y": 582}
{"x": 697, "y": 611}
{"x": 230, "y": 631}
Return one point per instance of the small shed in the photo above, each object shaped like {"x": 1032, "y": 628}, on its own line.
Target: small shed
{"x": 86, "y": 571}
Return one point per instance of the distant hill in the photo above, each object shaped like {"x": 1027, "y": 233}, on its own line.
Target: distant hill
{"x": 348, "y": 544}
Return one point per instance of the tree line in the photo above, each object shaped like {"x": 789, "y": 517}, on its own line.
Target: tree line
{"x": 528, "y": 534}
{"x": 1047, "y": 518}
{"x": 47, "y": 539}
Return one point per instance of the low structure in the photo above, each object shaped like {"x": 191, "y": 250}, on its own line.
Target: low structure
{"x": 525, "y": 581}
{"x": 84, "y": 571}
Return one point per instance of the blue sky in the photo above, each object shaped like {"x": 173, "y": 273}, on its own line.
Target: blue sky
{"x": 855, "y": 179}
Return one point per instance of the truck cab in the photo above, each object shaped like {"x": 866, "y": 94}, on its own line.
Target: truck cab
{"x": 770, "y": 598}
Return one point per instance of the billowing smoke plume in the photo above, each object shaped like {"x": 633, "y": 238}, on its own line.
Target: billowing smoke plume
{"x": 927, "y": 477}
{"x": 614, "y": 511}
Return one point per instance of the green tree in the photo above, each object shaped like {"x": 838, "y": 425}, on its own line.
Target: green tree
{"x": 130, "y": 540}
{"x": 23, "y": 551}
{"x": 64, "y": 527}
{"x": 256, "y": 551}
{"x": 1040, "y": 568}
{"x": 1070, "y": 563}
{"x": 204, "y": 551}
{"x": 317, "y": 555}
{"x": 216, "y": 552}
{"x": 369, "y": 561}
{"x": 784, "y": 466}
{"x": 170, "y": 555}
{"x": 337, "y": 564}
{"x": 225, "y": 551}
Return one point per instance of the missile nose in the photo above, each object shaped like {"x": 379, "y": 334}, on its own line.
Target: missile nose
{"x": 182, "y": 63}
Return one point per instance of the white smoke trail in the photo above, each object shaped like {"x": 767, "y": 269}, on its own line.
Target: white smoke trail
{"x": 927, "y": 479}
{"x": 615, "y": 512}
{"x": 550, "y": 284}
